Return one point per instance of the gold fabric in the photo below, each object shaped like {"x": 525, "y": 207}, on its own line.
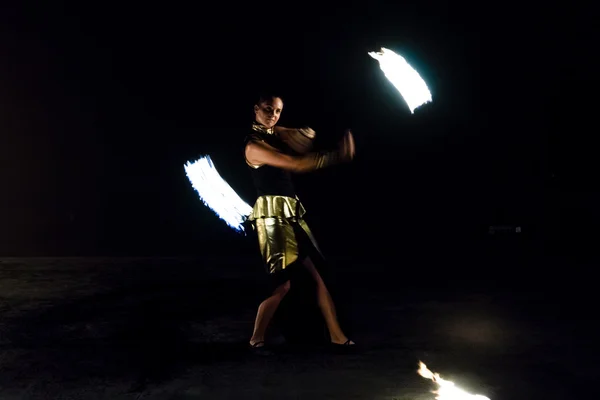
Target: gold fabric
{"x": 273, "y": 218}
{"x": 277, "y": 206}
{"x": 261, "y": 128}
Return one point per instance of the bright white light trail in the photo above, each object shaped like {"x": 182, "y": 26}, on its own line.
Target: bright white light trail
{"x": 216, "y": 194}
{"x": 405, "y": 78}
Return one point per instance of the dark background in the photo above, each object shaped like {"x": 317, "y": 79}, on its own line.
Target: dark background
{"x": 101, "y": 105}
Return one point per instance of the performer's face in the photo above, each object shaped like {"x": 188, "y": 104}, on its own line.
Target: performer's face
{"x": 269, "y": 111}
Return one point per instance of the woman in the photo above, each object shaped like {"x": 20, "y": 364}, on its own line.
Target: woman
{"x": 273, "y": 154}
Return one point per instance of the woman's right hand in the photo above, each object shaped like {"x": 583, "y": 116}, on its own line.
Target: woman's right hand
{"x": 346, "y": 147}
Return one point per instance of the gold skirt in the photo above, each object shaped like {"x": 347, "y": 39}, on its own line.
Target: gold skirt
{"x": 276, "y": 220}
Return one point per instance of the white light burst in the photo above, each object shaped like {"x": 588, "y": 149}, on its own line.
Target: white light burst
{"x": 216, "y": 194}
{"x": 446, "y": 389}
{"x": 405, "y": 78}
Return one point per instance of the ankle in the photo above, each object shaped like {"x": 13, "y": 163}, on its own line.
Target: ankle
{"x": 256, "y": 339}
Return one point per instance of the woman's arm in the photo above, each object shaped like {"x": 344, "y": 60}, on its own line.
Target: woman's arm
{"x": 260, "y": 153}
{"x": 299, "y": 140}
{"x": 306, "y": 131}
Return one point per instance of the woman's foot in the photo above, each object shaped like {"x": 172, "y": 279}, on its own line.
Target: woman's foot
{"x": 341, "y": 340}
{"x": 342, "y": 347}
{"x": 258, "y": 348}
{"x": 348, "y": 342}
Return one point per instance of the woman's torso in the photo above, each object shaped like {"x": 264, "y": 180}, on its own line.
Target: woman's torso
{"x": 270, "y": 180}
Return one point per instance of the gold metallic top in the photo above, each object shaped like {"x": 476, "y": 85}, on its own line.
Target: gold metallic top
{"x": 276, "y": 207}
{"x": 263, "y": 129}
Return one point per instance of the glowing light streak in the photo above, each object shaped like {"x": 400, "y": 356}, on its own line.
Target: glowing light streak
{"x": 216, "y": 193}
{"x": 405, "y": 78}
{"x": 446, "y": 389}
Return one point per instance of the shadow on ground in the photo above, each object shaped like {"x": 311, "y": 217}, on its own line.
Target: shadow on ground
{"x": 179, "y": 330}
{"x": 148, "y": 321}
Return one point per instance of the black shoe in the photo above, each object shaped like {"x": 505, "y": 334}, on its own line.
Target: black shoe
{"x": 259, "y": 349}
{"x": 343, "y": 348}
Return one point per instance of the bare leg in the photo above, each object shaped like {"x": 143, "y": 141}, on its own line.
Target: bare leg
{"x": 265, "y": 313}
{"x": 326, "y": 305}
